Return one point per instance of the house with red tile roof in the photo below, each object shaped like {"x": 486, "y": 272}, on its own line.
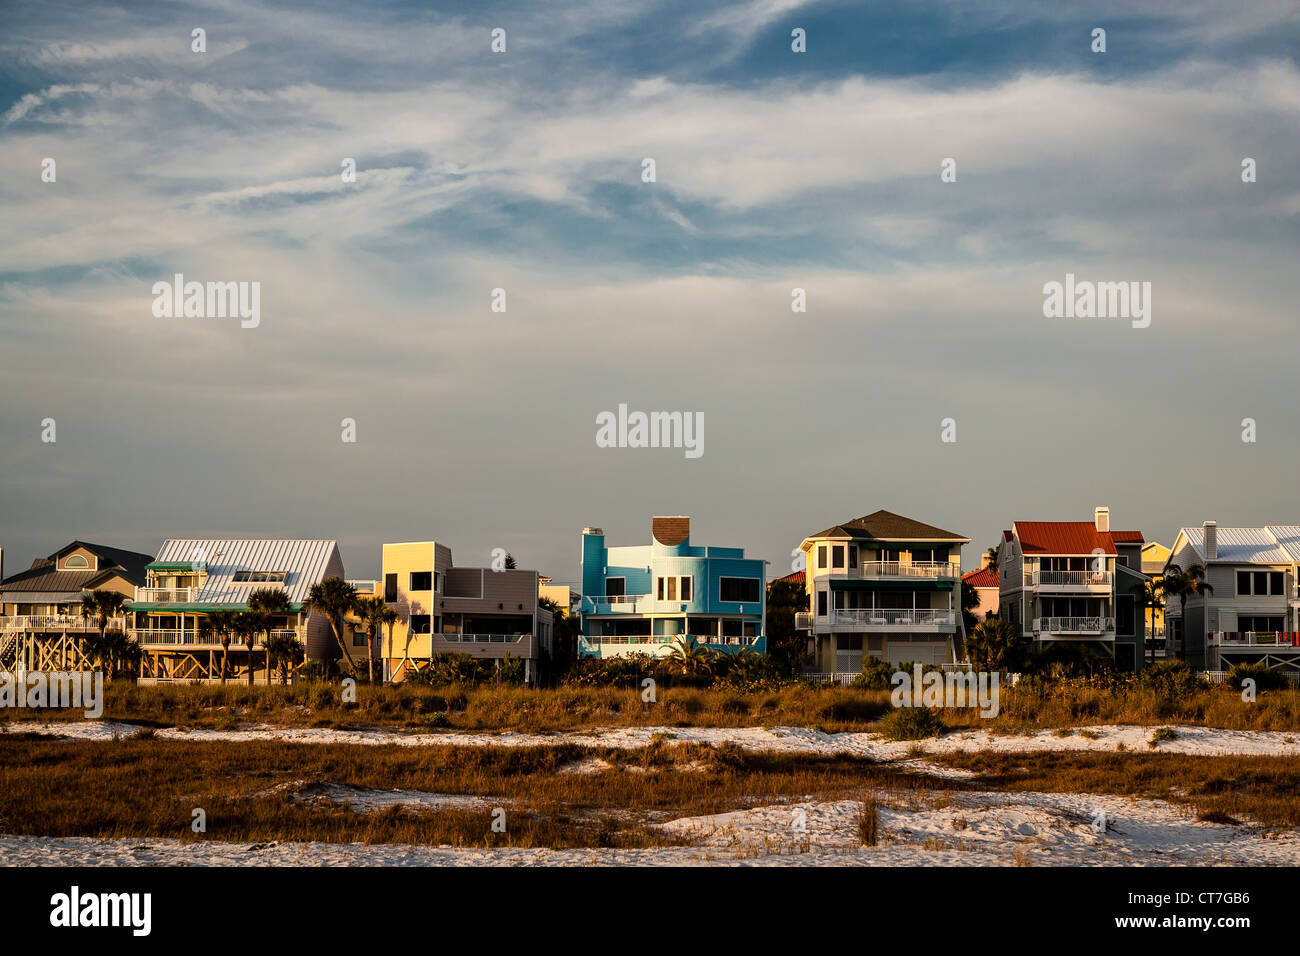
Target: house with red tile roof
{"x": 1074, "y": 583}
{"x": 985, "y": 582}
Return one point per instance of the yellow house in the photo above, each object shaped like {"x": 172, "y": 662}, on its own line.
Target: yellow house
{"x": 441, "y": 608}
{"x": 1154, "y": 556}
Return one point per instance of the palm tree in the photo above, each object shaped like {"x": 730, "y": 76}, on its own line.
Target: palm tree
{"x": 992, "y": 645}
{"x": 222, "y": 623}
{"x": 246, "y": 626}
{"x": 111, "y": 650}
{"x": 687, "y": 656}
{"x": 1150, "y": 595}
{"x": 268, "y": 604}
{"x": 1185, "y": 584}
{"x": 374, "y": 613}
{"x": 100, "y": 606}
{"x": 282, "y": 651}
{"x": 510, "y": 562}
{"x": 334, "y": 598}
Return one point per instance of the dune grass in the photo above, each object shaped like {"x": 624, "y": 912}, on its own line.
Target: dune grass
{"x": 1064, "y": 705}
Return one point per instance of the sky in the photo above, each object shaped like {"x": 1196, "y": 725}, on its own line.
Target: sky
{"x": 523, "y": 171}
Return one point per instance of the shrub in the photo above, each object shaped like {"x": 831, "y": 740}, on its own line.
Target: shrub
{"x": 1168, "y": 679}
{"x": 1265, "y": 677}
{"x": 912, "y": 723}
{"x": 875, "y": 674}
{"x": 311, "y": 671}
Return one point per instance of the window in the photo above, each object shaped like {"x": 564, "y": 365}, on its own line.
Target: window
{"x": 420, "y": 624}
{"x": 390, "y": 588}
{"x": 258, "y": 577}
{"x": 421, "y": 580}
{"x": 1259, "y": 583}
{"x": 76, "y": 561}
{"x": 1259, "y": 623}
{"x": 615, "y": 587}
{"x": 837, "y": 556}
{"x": 359, "y": 636}
{"x": 674, "y": 588}
{"x": 1124, "y": 617}
{"x": 821, "y": 555}
{"x": 739, "y": 590}
{"x": 853, "y": 555}
{"x": 821, "y": 603}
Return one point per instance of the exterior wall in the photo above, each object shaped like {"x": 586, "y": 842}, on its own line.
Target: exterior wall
{"x": 989, "y": 603}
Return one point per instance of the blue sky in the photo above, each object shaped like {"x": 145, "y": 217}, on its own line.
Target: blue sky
{"x": 521, "y": 171}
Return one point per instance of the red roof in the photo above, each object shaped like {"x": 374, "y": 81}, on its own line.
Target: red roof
{"x": 983, "y": 578}
{"x": 1070, "y": 537}
{"x": 796, "y": 577}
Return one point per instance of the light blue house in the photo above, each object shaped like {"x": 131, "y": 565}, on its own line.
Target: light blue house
{"x": 641, "y": 599}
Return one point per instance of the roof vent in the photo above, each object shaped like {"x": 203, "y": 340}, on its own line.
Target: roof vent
{"x": 1211, "y": 540}
{"x": 1101, "y": 517}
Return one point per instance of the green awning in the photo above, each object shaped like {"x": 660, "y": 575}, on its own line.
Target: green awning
{"x": 171, "y": 566}
{"x": 891, "y": 584}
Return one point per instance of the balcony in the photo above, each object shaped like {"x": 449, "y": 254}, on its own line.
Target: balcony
{"x": 166, "y": 595}
{"x": 1070, "y": 627}
{"x": 1080, "y": 581}
{"x": 892, "y": 619}
{"x": 492, "y": 646}
{"x": 803, "y": 620}
{"x": 615, "y": 603}
{"x": 1253, "y": 640}
{"x": 893, "y": 569}
{"x": 55, "y": 622}
{"x": 172, "y": 637}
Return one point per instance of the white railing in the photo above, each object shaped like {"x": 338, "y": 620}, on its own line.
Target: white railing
{"x": 171, "y": 636}
{"x": 1071, "y": 579}
{"x": 843, "y": 678}
{"x": 484, "y": 638}
{"x": 166, "y": 595}
{"x": 55, "y": 622}
{"x": 803, "y": 620}
{"x": 892, "y": 617}
{"x": 1074, "y": 625}
{"x": 728, "y": 640}
{"x": 1255, "y": 638}
{"x": 615, "y": 603}
{"x": 894, "y": 569}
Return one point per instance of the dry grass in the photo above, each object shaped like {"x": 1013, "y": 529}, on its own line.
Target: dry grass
{"x": 832, "y": 709}
{"x": 59, "y": 787}
{"x": 1263, "y": 789}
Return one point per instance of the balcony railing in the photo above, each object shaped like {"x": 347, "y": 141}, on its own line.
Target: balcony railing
{"x": 895, "y": 569}
{"x": 166, "y": 595}
{"x": 615, "y": 603}
{"x": 1255, "y": 638}
{"x": 1071, "y": 579}
{"x": 484, "y": 638}
{"x": 892, "y": 617}
{"x": 803, "y": 620}
{"x": 1074, "y": 625}
{"x": 729, "y": 640}
{"x": 55, "y": 622}
{"x": 162, "y": 637}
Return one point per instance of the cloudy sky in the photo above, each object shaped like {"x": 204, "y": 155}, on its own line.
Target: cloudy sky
{"x": 522, "y": 171}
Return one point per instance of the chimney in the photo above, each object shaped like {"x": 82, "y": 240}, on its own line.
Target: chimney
{"x": 985, "y": 560}
{"x": 1101, "y": 517}
{"x": 1211, "y": 540}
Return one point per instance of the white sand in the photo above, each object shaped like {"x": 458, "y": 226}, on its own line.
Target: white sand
{"x": 1202, "y": 741}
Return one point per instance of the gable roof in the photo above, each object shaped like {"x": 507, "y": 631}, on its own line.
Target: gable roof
{"x": 305, "y": 562}
{"x": 887, "y": 526}
{"x": 44, "y": 574}
{"x": 982, "y": 577}
{"x": 1070, "y": 537}
{"x": 1271, "y": 544}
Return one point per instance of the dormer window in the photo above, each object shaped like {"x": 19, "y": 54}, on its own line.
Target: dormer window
{"x": 76, "y": 561}
{"x": 258, "y": 577}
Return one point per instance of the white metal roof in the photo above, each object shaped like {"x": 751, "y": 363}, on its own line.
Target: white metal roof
{"x": 304, "y": 561}
{"x": 1271, "y": 544}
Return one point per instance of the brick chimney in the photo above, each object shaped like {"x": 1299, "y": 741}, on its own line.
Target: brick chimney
{"x": 1101, "y": 518}
{"x": 1211, "y": 540}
